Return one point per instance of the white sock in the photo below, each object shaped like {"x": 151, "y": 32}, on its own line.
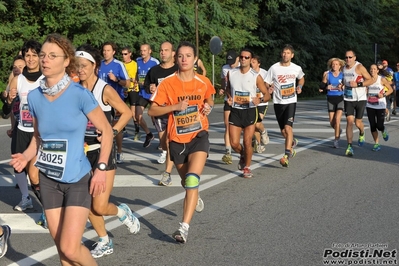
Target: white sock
{"x": 104, "y": 239}
{"x": 22, "y": 182}
{"x": 228, "y": 149}
{"x": 120, "y": 213}
{"x": 185, "y": 226}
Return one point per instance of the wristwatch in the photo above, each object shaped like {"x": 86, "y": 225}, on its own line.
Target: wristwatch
{"x": 115, "y": 131}
{"x": 101, "y": 166}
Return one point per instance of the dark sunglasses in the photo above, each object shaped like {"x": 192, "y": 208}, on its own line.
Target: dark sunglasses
{"x": 124, "y": 53}
{"x": 348, "y": 57}
{"x": 246, "y": 57}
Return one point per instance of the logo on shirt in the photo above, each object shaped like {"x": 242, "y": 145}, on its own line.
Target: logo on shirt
{"x": 283, "y": 78}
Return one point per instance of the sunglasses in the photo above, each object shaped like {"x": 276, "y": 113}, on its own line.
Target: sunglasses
{"x": 246, "y": 57}
{"x": 124, "y": 53}
{"x": 348, "y": 57}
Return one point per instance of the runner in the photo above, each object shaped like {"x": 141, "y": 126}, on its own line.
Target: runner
{"x": 333, "y": 86}
{"x": 376, "y": 104}
{"x": 282, "y": 80}
{"x": 396, "y": 88}
{"x": 356, "y": 79}
{"x": 60, "y": 109}
{"x": 241, "y": 91}
{"x": 187, "y": 98}
{"x": 89, "y": 60}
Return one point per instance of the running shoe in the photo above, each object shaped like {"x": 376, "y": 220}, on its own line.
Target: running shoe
{"x": 394, "y": 112}
{"x": 260, "y": 148}
{"x": 292, "y": 154}
{"x": 181, "y": 234}
{"x": 166, "y": 179}
{"x": 284, "y": 161}
{"x": 25, "y": 203}
{"x": 376, "y": 147}
{"x": 247, "y": 172}
{"x": 102, "y": 249}
{"x": 137, "y": 136}
{"x": 42, "y": 221}
{"x": 131, "y": 222}
{"x": 387, "y": 116}
{"x": 119, "y": 158}
{"x": 294, "y": 142}
{"x": 4, "y": 240}
{"x": 349, "y": 151}
{"x": 336, "y": 143}
{"x": 227, "y": 159}
{"x": 385, "y": 135}
{"x": 264, "y": 138}
{"x": 200, "y": 205}
{"x": 361, "y": 140}
{"x": 148, "y": 139}
{"x": 162, "y": 157}
{"x": 241, "y": 163}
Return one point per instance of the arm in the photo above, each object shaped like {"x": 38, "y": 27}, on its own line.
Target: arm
{"x": 112, "y": 98}
{"x": 97, "y": 117}
{"x": 323, "y": 84}
{"x": 201, "y": 65}
{"x": 386, "y": 84}
{"x": 301, "y": 82}
{"x": 157, "y": 110}
{"x": 260, "y": 83}
{"x": 367, "y": 81}
{"x": 20, "y": 160}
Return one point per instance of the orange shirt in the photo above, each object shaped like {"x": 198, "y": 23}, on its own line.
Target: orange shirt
{"x": 184, "y": 126}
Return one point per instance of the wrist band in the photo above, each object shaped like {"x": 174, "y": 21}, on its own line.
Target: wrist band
{"x": 360, "y": 84}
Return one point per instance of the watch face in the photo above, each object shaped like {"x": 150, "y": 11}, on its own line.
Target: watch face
{"x": 102, "y": 166}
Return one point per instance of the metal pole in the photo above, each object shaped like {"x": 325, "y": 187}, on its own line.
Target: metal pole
{"x": 196, "y": 28}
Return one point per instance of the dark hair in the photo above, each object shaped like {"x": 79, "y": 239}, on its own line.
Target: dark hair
{"x": 95, "y": 53}
{"x": 187, "y": 44}
{"x": 247, "y": 50}
{"x": 67, "y": 48}
{"x": 127, "y": 48}
{"x": 112, "y": 44}
{"x": 18, "y": 57}
{"x": 350, "y": 50}
{"x": 257, "y": 57}
{"x": 31, "y": 45}
{"x": 288, "y": 47}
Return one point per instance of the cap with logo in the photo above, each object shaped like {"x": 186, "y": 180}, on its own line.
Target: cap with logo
{"x": 231, "y": 57}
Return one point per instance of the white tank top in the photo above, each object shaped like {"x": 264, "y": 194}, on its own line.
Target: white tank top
{"x": 25, "y": 121}
{"x": 98, "y": 91}
{"x": 353, "y": 94}
{"x": 372, "y": 95}
{"x": 243, "y": 88}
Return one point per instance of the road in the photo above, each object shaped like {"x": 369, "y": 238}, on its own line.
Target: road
{"x": 281, "y": 216}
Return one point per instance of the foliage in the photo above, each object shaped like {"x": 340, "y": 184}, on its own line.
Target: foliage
{"x": 318, "y": 30}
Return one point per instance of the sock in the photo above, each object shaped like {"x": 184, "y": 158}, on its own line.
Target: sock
{"x": 164, "y": 152}
{"x": 228, "y": 149}
{"x": 287, "y": 152}
{"x": 22, "y": 182}
{"x": 264, "y": 132}
{"x": 185, "y": 226}
{"x": 120, "y": 213}
{"x": 349, "y": 144}
{"x": 104, "y": 239}
{"x": 361, "y": 133}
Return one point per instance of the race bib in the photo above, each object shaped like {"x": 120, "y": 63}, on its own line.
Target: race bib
{"x": 241, "y": 99}
{"x": 348, "y": 93}
{"x": 26, "y": 117}
{"x": 51, "y": 158}
{"x": 372, "y": 99}
{"x": 287, "y": 91}
{"x": 187, "y": 121}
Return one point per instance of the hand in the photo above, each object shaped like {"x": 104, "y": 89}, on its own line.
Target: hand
{"x": 298, "y": 90}
{"x": 18, "y": 161}
{"x": 329, "y": 87}
{"x": 353, "y": 84}
{"x": 221, "y": 91}
{"x": 99, "y": 135}
{"x": 181, "y": 106}
{"x": 207, "y": 109}
{"x": 271, "y": 90}
{"x": 112, "y": 77}
{"x": 97, "y": 183}
{"x": 11, "y": 95}
{"x": 230, "y": 101}
{"x": 153, "y": 87}
{"x": 9, "y": 132}
{"x": 256, "y": 101}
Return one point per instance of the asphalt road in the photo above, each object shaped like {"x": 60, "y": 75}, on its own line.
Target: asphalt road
{"x": 324, "y": 204}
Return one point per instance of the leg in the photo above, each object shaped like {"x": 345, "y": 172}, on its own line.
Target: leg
{"x": 140, "y": 120}
{"x": 234, "y": 136}
{"x": 247, "y": 140}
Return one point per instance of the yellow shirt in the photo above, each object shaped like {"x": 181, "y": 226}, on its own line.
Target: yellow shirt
{"x": 131, "y": 69}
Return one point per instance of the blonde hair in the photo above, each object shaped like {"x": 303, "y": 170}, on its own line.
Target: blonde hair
{"x": 340, "y": 61}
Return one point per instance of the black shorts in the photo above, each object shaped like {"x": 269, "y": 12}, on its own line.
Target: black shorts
{"x": 94, "y": 155}
{"x": 226, "y": 107}
{"x": 132, "y": 98}
{"x": 20, "y": 140}
{"x": 285, "y": 114}
{"x": 358, "y": 106}
{"x": 243, "y": 117}
{"x": 335, "y": 103}
{"x": 161, "y": 123}
{"x": 56, "y": 194}
{"x": 143, "y": 102}
{"x": 261, "y": 112}
{"x": 179, "y": 152}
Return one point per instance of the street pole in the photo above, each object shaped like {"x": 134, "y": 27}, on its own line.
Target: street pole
{"x": 196, "y": 28}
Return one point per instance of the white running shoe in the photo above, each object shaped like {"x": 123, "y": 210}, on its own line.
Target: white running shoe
{"x": 102, "y": 249}
{"x": 162, "y": 157}
{"x": 119, "y": 158}
{"x": 131, "y": 221}
{"x": 264, "y": 138}
{"x": 25, "y": 203}
{"x": 181, "y": 235}
{"x": 166, "y": 179}
{"x": 4, "y": 240}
